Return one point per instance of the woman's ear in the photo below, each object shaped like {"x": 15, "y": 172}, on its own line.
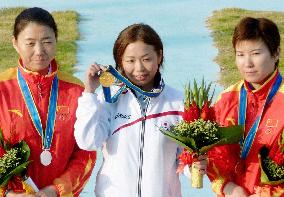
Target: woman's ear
{"x": 15, "y": 44}
{"x": 277, "y": 54}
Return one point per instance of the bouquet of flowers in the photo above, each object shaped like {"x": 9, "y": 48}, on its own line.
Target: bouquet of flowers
{"x": 198, "y": 132}
{"x": 272, "y": 163}
{"x": 272, "y": 169}
{"x": 13, "y": 165}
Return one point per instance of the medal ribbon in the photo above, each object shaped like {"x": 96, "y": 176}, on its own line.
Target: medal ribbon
{"x": 127, "y": 83}
{"x": 247, "y": 142}
{"x": 33, "y": 112}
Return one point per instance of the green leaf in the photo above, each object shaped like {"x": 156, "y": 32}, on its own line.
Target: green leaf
{"x": 202, "y": 91}
{"x": 25, "y": 150}
{"x": 282, "y": 141}
{"x": 7, "y": 146}
{"x": 208, "y": 88}
{"x": 189, "y": 143}
{"x": 187, "y": 96}
{"x": 205, "y": 149}
{"x": 201, "y": 95}
{"x": 185, "y": 142}
{"x": 206, "y": 91}
{"x": 22, "y": 153}
{"x": 210, "y": 101}
{"x": 231, "y": 134}
{"x": 1, "y": 138}
{"x": 195, "y": 92}
{"x": 16, "y": 171}
{"x": 264, "y": 177}
{"x": 227, "y": 135}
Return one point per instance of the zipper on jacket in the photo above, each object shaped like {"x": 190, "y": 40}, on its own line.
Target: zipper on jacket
{"x": 141, "y": 157}
{"x": 39, "y": 88}
{"x": 143, "y": 113}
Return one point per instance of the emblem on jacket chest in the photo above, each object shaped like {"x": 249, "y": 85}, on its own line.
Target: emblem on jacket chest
{"x": 165, "y": 125}
{"x": 62, "y": 113}
{"x": 271, "y": 125}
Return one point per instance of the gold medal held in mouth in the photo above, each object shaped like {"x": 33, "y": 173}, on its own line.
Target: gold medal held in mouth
{"x": 106, "y": 79}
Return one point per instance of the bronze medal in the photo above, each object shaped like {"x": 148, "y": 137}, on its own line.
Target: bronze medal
{"x": 106, "y": 79}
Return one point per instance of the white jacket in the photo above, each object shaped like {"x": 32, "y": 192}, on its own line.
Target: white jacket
{"x": 138, "y": 160}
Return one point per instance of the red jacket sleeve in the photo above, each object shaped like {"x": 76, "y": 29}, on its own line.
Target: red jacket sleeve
{"x": 222, "y": 160}
{"x": 80, "y": 167}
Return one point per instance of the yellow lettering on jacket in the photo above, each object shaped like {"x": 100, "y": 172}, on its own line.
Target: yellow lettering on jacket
{"x": 16, "y": 111}
{"x": 231, "y": 121}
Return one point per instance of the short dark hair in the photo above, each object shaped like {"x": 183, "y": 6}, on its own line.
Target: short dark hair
{"x": 258, "y": 28}
{"x": 37, "y": 15}
{"x": 133, "y": 33}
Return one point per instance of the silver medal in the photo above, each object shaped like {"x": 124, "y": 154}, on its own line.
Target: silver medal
{"x": 45, "y": 157}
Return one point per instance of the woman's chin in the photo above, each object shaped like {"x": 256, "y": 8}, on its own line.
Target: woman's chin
{"x": 252, "y": 79}
{"x": 140, "y": 85}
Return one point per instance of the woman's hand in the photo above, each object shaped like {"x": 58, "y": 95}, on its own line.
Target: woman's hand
{"x": 14, "y": 194}
{"x": 48, "y": 191}
{"x": 201, "y": 163}
{"x": 233, "y": 190}
{"x": 92, "y": 78}
{"x": 255, "y": 195}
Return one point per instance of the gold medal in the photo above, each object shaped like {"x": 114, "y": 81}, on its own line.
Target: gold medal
{"x": 106, "y": 79}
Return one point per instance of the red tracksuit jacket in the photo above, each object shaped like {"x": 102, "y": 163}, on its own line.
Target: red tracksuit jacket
{"x": 71, "y": 166}
{"x": 224, "y": 161}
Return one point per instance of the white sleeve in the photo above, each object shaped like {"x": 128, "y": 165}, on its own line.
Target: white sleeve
{"x": 92, "y": 127}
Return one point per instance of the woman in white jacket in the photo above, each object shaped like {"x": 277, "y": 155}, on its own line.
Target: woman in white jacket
{"x": 138, "y": 160}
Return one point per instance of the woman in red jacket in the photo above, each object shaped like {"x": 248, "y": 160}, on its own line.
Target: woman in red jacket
{"x": 37, "y": 104}
{"x": 257, "y": 103}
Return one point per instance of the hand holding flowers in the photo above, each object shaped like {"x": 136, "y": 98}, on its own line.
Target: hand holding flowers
{"x": 198, "y": 131}
{"x": 13, "y": 165}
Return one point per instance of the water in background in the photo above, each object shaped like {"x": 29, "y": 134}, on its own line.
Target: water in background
{"x": 188, "y": 46}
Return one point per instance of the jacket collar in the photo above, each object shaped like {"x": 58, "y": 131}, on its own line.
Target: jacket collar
{"x": 34, "y": 77}
{"x": 263, "y": 90}
{"x": 158, "y": 87}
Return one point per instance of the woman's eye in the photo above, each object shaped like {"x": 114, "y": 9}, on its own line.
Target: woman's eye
{"x": 30, "y": 44}
{"x": 129, "y": 61}
{"x": 47, "y": 42}
{"x": 146, "y": 59}
{"x": 240, "y": 54}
